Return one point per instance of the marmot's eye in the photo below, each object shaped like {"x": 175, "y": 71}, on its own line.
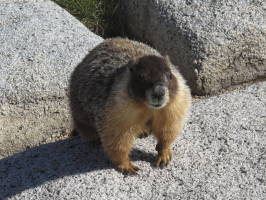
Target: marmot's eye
{"x": 140, "y": 76}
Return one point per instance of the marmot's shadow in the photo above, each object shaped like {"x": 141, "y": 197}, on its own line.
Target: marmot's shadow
{"x": 47, "y": 162}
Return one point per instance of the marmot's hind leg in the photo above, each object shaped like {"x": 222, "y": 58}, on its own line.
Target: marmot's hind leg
{"x": 86, "y": 132}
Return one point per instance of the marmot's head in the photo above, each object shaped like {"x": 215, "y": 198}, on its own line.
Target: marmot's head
{"x": 151, "y": 81}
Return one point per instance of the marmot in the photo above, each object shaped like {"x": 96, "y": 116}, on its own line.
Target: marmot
{"x": 124, "y": 88}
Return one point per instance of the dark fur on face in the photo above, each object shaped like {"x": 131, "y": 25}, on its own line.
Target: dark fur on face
{"x": 151, "y": 74}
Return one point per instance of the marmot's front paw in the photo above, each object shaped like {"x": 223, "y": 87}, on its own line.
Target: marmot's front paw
{"x": 128, "y": 168}
{"x": 163, "y": 159}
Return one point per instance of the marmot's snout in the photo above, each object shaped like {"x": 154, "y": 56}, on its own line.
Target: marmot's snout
{"x": 157, "y": 96}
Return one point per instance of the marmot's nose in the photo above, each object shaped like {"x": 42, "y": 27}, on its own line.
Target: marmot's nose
{"x": 158, "y": 92}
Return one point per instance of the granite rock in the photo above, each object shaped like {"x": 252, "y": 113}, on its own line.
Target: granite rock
{"x": 40, "y": 44}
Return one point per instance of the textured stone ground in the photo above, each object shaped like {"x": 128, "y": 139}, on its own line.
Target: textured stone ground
{"x": 221, "y": 155}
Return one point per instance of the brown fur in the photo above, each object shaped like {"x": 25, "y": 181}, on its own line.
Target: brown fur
{"x": 125, "y": 114}
{"x": 127, "y": 119}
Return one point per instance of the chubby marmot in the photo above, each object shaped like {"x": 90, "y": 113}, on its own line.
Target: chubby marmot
{"x": 122, "y": 89}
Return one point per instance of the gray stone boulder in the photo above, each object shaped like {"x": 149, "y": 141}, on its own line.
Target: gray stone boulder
{"x": 215, "y": 44}
{"x": 220, "y": 155}
{"x": 40, "y": 44}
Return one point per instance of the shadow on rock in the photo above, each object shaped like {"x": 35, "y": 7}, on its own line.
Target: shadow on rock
{"x": 47, "y": 162}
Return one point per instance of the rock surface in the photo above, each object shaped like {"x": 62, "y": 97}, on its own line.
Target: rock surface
{"x": 221, "y": 155}
{"x": 216, "y": 44}
{"x": 40, "y": 44}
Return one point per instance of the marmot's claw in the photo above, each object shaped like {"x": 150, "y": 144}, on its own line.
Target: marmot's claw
{"x": 144, "y": 135}
{"x": 163, "y": 160}
{"x": 128, "y": 170}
